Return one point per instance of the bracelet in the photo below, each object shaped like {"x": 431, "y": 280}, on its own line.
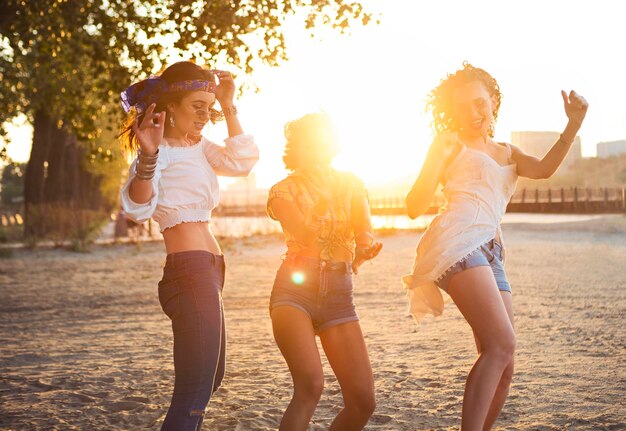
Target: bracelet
{"x": 146, "y": 165}
{"x": 144, "y": 173}
{"x": 145, "y": 176}
{"x": 229, "y": 111}
{"x": 142, "y": 170}
{"x": 146, "y": 158}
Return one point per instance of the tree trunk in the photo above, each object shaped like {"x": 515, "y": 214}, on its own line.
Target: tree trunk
{"x": 34, "y": 178}
{"x": 55, "y": 174}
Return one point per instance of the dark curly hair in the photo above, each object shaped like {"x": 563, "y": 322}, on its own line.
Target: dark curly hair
{"x": 181, "y": 71}
{"x": 311, "y": 141}
{"x": 439, "y": 100}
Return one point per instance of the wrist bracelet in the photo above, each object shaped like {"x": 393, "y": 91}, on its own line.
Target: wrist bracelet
{"x": 140, "y": 167}
{"x": 229, "y": 110}
{"x": 143, "y": 172}
{"x": 146, "y": 176}
{"x": 148, "y": 158}
{"x": 145, "y": 167}
{"x": 144, "y": 162}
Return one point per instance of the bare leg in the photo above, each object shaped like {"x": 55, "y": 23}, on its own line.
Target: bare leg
{"x": 295, "y": 337}
{"x": 502, "y": 391}
{"x": 476, "y": 294}
{"x": 347, "y": 354}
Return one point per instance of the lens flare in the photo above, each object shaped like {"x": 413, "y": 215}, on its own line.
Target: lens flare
{"x": 297, "y": 277}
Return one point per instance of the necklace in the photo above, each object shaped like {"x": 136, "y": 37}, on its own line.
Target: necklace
{"x": 185, "y": 142}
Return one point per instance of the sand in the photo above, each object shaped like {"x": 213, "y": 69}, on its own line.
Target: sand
{"x": 85, "y": 345}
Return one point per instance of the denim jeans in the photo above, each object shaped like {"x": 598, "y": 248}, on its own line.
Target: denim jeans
{"x": 190, "y": 294}
{"x": 490, "y": 254}
{"x": 320, "y": 289}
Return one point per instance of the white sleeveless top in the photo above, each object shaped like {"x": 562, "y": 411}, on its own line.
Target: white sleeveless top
{"x": 185, "y": 187}
{"x": 477, "y": 190}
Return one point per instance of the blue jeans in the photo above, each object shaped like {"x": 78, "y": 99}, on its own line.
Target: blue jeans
{"x": 190, "y": 294}
{"x": 320, "y": 289}
{"x": 489, "y": 254}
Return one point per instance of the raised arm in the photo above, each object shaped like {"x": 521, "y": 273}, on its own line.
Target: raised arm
{"x": 420, "y": 196}
{"x": 149, "y": 135}
{"x": 225, "y": 95}
{"x": 139, "y": 194}
{"x": 241, "y": 153}
{"x": 533, "y": 167}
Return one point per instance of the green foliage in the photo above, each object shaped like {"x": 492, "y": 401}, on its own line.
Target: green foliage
{"x": 71, "y": 58}
{"x": 106, "y": 159}
{"x": 63, "y": 57}
{"x": 63, "y": 64}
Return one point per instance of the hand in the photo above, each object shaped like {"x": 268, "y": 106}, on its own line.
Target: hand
{"x": 225, "y": 91}
{"x": 445, "y": 145}
{"x": 150, "y": 132}
{"x": 364, "y": 253}
{"x": 575, "y": 106}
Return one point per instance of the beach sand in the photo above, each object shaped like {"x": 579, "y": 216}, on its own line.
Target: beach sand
{"x": 85, "y": 346}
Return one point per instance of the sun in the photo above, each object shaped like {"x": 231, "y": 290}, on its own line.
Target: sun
{"x": 378, "y": 111}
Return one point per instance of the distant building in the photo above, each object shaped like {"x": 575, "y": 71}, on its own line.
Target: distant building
{"x": 246, "y": 183}
{"x": 612, "y": 148}
{"x": 243, "y": 192}
{"x": 539, "y": 143}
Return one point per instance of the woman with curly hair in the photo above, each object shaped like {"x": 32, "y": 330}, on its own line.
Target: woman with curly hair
{"x": 462, "y": 252}
{"x": 325, "y": 217}
{"x": 174, "y": 180}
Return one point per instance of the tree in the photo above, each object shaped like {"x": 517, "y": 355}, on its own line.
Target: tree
{"x": 63, "y": 64}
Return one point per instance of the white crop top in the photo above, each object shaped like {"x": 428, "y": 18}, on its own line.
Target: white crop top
{"x": 185, "y": 187}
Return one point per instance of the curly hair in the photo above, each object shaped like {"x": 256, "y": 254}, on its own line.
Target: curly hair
{"x": 311, "y": 140}
{"x": 440, "y": 99}
{"x": 181, "y": 71}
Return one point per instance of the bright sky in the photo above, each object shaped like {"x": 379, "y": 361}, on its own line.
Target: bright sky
{"x": 374, "y": 82}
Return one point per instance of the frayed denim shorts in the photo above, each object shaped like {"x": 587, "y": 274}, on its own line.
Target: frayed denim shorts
{"x": 321, "y": 289}
{"x": 489, "y": 254}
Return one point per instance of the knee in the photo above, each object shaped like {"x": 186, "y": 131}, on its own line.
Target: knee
{"x": 363, "y": 403}
{"x": 503, "y": 349}
{"x": 310, "y": 390}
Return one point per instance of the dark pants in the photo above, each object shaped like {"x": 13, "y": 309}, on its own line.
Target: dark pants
{"x": 191, "y": 295}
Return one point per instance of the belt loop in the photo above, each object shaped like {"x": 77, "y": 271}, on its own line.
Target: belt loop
{"x": 323, "y": 281}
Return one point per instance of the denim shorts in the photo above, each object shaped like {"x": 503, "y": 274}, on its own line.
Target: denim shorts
{"x": 489, "y": 254}
{"x": 321, "y": 289}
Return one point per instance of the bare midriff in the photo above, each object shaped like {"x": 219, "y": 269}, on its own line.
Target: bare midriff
{"x": 190, "y": 236}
